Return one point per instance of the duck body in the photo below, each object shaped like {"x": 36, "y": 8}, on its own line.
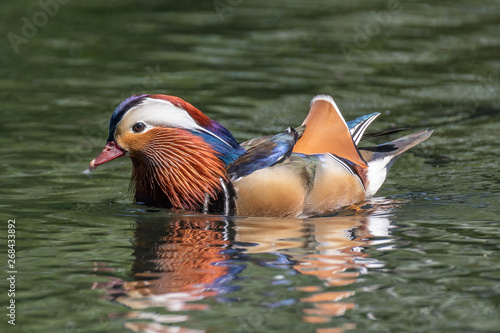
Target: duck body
{"x": 183, "y": 159}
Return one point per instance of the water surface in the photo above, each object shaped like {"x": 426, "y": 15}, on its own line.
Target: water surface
{"x": 422, "y": 256}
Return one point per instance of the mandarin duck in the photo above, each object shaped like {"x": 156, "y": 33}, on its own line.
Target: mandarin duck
{"x": 183, "y": 159}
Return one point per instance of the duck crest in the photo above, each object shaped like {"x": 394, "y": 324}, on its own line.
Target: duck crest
{"x": 176, "y": 168}
{"x": 198, "y": 116}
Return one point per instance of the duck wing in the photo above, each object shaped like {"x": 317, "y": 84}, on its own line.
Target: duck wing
{"x": 263, "y": 152}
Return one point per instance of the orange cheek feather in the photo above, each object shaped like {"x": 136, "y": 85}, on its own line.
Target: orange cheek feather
{"x": 134, "y": 142}
{"x": 173, "y": 164}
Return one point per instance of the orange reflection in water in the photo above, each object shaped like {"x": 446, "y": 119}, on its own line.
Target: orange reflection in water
{"x": 183, "y": 260}
{"x": 176, "y": 262}
{"x": 333, "y": 247}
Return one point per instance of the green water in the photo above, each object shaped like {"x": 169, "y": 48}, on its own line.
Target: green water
{"x": 423, "y": 256}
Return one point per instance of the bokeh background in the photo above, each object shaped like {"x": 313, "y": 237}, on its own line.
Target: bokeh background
{"x": 421, "y": 257}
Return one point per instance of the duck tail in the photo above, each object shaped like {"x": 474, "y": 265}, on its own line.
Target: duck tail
{"x": 380, "y": 158}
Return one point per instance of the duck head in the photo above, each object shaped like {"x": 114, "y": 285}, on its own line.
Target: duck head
{"x": 179, "y": 155}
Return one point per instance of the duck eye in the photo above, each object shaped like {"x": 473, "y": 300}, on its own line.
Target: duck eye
{"x": 138, "y": 127}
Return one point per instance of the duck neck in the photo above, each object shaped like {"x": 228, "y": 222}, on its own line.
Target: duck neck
{"x": 179, "y": 169}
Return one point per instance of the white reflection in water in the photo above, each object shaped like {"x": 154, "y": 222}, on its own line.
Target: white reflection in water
{"x": 182, "y": 260}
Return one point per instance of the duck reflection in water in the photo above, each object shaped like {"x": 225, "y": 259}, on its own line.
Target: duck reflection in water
{"x": 181, "y": 260}
{"x": 186, "y": 256}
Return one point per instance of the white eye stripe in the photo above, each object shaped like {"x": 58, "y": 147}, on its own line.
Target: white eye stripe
{"x": 157, "y": 112}
{"x": 153, "y": 113}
